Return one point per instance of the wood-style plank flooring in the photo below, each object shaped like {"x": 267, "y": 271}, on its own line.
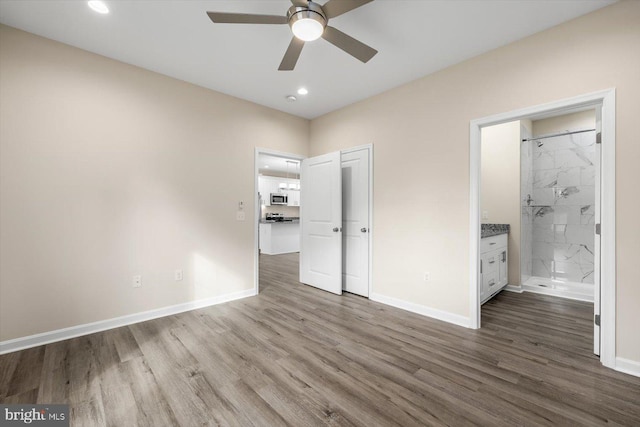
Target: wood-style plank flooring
{"x": 298, "y": 356}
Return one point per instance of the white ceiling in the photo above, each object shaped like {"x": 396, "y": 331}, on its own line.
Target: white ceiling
{"x": 273, "y": 164}
{"x": 176, "y": 38}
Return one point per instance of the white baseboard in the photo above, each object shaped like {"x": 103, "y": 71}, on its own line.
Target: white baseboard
{"x": 627, "y": 366}
{"x": 102, "y": 325}
{"x": 445, "y": 316}
{"x": 514, "y": 288}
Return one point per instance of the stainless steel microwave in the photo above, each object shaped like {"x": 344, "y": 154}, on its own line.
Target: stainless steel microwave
{"x": 279, "y": 199}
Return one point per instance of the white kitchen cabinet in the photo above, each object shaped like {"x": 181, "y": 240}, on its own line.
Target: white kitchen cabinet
{"x": 266, "y": 186}
{"x": 279, "y": 238}
{"x": 494, "y": 258}
{"x": 293, "y": 198}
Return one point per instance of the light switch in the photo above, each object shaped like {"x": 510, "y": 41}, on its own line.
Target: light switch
{"x": 137, "y": 281}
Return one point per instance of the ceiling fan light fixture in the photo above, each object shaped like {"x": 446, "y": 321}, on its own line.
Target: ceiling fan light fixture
{"x": 307, "y": 29}
{"x": 307, "y": 23}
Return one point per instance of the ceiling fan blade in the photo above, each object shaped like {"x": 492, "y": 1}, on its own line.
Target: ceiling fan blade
{"x": 291, "y": 55}
{"x": 245, "y": 18}
{"x": 353, "y": 47}
{"x": 300, "y": 3}
{"x": 335, "y": 8}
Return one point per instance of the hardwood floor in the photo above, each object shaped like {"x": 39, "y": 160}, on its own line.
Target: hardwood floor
{"x": 298, "y": 356}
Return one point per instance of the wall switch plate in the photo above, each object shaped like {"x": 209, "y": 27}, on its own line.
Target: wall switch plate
{"x": 240, "y": 216}
{"x": 177, "y": 275}
{"x": 137, "y": 281}
{"x": 427, "y": 276}
{"x": 485, "y": 214}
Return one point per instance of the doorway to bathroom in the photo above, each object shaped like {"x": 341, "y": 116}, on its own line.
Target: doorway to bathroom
{"x": 542, "y": 186}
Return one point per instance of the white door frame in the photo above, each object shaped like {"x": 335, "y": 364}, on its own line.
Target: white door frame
{"x": 370, "y": 233}
{"x": 256, "y": 211}
{"x": 606, "y": 100}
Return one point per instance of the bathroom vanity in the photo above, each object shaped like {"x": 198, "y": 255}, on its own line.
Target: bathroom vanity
{"x": 494, "y": 259}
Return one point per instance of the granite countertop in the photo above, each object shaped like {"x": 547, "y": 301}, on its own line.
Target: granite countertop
{"x": 488, "y": 230}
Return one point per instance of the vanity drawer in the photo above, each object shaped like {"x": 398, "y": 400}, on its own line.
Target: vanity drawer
{"x": 489, "y": 263}
{"x": 493, "y": 243}
{"x": 489, "y": 281}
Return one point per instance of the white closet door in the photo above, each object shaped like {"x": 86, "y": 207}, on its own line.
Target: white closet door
{"x": 355, "y": 222}
{"x": 321, "y": 222}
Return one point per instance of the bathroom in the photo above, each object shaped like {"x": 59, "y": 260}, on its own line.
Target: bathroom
{"x": 540, "y": 177}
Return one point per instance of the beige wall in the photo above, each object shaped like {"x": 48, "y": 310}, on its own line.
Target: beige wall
{"x": 500, "y": 186}
{"x": 420, "y": 133}
{"x": 575, "y": 121}
{"x": 109, "y": 171}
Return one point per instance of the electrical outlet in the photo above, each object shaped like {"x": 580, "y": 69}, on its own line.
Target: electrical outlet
{"x": 177, "y": 275}
{"x": 137, "y": 281}
{"x": 240, "y": 216}
{"x": 427, "y": 276}
{"x": 485, "y": 214}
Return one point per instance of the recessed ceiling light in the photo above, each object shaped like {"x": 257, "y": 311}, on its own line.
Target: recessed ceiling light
{"x": 303, "y": 91}
{"x": 291, "y": 98}
{"x": 98, "y": 6}
{"x": 266, "y": 166}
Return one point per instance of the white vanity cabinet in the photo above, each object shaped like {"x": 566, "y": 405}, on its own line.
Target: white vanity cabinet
{"x": 494, "y": 258}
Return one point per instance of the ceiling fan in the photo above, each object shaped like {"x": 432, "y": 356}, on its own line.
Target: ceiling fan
{"x": 308, "y": 21}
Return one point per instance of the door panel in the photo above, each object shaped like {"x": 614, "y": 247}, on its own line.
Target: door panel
{"x": 320, "y": 222}
{"x": 355, "y": 222}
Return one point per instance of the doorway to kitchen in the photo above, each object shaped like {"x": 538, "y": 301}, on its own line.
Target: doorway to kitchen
{"x": 560, "y": 184}
{"x": 315, "y": 213}
{"x": 277, "y": 216}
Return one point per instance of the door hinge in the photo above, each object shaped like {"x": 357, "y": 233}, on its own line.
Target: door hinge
{"x": 598, "y": 138}
{"x": 596, "y": 319}
{"x": 598, "y": 229}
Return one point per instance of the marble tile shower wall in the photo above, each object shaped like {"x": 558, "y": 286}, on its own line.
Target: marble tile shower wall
{"x": 562, "y": 208}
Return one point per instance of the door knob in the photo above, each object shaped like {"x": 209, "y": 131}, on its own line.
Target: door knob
{"x": 364, "y": 229}
{"x": 336, "y": 229}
